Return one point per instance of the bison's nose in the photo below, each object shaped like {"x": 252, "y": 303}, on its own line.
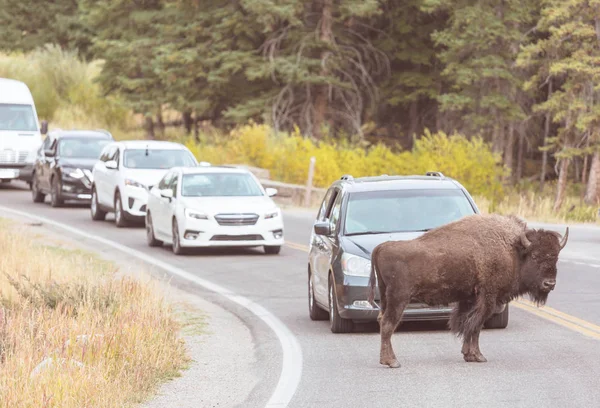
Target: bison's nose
{"x": 549, "y": 284}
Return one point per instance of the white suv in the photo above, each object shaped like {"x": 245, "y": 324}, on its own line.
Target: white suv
{"x": 126, "y": 171}
{"x": 213, "y": 206}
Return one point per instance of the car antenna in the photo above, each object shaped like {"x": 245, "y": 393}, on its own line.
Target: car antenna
{"x": 146, "y": 150}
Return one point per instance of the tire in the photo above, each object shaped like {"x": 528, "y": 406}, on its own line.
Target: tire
{"x": 150, "y": 239}
{"x": 314, "y": 311}
{"x": 176, "y": 246}
{"x": 55, "y": 198}
{"x": 336, "y": 323}
{"x": 36, "y": 195}
{"x": 120, "y": 220}
{"x": 272, "y": 250}
{"x": 97, "y": 213}
{"x": 498, "y": 321}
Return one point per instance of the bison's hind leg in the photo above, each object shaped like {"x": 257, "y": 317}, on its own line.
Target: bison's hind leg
{"x": 388, "y": 323}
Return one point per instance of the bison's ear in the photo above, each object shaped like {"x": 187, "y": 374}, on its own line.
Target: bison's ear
{"x": 524, "y": 242}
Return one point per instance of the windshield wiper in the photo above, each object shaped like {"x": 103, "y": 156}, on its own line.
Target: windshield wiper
{"x": 367, "y": 233}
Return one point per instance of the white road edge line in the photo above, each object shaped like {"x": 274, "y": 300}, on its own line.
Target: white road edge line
{"x": 291, "y": 367}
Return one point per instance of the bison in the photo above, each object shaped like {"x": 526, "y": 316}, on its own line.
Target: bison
{"x": 479, "y": 262}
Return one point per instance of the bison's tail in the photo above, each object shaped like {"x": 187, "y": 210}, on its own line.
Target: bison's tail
{"x": 371, "y": 298}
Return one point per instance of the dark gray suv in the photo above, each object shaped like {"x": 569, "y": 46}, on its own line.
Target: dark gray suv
{"x": 358, "y": 214}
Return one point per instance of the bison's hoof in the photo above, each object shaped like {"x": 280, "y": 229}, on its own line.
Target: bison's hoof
{"x": 474, "y": 358}
{"x": 392, "y": 364}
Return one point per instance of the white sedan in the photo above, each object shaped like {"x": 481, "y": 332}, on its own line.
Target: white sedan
{"x": 213, "y": 206}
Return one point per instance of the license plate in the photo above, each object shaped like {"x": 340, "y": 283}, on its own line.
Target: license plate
{"x": 8, "y": 173}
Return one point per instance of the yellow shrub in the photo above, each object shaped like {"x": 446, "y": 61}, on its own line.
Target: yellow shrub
{"x": 287, "y": 157}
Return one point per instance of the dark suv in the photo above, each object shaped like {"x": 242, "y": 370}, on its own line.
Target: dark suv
{"x": 358, "y": 214}
{"x": 63, "y": 165}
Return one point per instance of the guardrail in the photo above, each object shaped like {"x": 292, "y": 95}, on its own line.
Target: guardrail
{"x": 291, "y": 194}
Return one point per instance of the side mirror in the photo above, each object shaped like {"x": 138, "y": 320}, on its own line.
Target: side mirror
{"x": 322, "y": 228}
{"x": 111, "y": 164}
{"x": 48, "y": 153}
{"x": 44, "y": 127}
{"x": 271, "y": 192}
{"x": 166, "y": 193}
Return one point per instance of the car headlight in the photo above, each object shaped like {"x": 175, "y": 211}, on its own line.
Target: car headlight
{"x": 73, "y": 173}
{"x": 133, "y": 183}
{"x": 271, "y": 214}
{"x": 195, "y": 214}
{"x": 356, "y": 265}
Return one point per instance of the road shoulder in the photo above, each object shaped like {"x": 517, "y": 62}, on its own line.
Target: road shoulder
{"x": 221, "y": 370}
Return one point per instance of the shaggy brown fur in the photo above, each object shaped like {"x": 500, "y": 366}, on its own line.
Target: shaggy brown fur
{"x": 477, "y": 262}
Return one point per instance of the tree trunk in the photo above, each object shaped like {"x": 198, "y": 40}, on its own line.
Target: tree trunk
{"x": 160, "y": 123}
{"x": 413, "y": 122}
{"x": 592, "y": 194}
{"x": 149, "y": 126}
{"x": 562, "y": 184}
{"x": 509, "y": 152}
{"x": 196, "y": 129}
{"x": 546, "y": 134}
{"x": 520, "y": 153}
{"x": 321, "y": 95}
{"x": 187, "y": 122}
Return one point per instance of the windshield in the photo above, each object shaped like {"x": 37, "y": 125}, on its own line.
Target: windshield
{"x": 157, "y": 158}
{"x": 220, "y": 184}
{"x": 404, "y": 210}
{"x": 17, "y": 118}
{"x": 84, "y": 148}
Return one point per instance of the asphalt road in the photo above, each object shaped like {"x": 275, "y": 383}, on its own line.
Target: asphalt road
{"x": 548, "y": 357}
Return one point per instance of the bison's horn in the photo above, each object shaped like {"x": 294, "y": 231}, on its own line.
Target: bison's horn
{"x": 525, "y": 241}
{"x": 563, "y": 241}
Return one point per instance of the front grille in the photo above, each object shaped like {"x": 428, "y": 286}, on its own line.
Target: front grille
{"x": 236, "y": 219}
{"x": 9, "y": 156}
{"x": 254, "y": 237}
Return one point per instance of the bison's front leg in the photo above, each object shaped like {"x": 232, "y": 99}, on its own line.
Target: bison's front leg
{"x": 472, "y": 325}
{"x": 388, "y": 323}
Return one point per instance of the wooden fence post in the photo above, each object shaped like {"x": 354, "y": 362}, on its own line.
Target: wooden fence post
{"x": 309, "y": 182}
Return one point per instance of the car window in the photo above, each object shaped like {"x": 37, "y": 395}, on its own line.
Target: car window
{"x": 84, "y": 148}
{"x": 173, "y": 184}
{"x": 220, "y": 185}
{"x": 329, "y": 209}
{"x": 109, "y": 154}
{"x": 325, "y": 205}
{"x": 17, "y": 118}
{"x": 335, "y": 213}
{"x": 157, "y": 158}
{"x": 404, "y": 210}
{"x": 166, "y": 180}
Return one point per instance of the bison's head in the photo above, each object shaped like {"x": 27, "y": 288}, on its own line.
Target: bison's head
{"x": 539, "y": 250}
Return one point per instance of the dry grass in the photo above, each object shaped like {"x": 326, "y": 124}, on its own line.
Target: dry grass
{"x": 49, "y": 297}
{"x": 536, "y": 207}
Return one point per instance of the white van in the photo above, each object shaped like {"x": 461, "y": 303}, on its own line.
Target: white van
{"x": 20, "y": 136}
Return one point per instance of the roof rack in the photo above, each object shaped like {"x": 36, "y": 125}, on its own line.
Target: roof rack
{"x": 347, "y": 177}
{"x": 435, "y": 174}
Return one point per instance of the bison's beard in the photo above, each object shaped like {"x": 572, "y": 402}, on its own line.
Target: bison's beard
{"x": 539, "y": 297}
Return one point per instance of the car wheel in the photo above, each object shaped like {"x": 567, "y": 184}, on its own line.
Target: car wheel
{"x": 152, "y": 241}
{"x": 36, "y": 195}
{"x": 120, "y": 220}
{"x": 315, "y": 312}
{"x": 177, "y": 249}
{"x": 337, "y": 323}
{"x": 97, "y": 213}
{"x": 272, "y": 250}
{"x": 498, "y": 321}
{"x": 55, "y": 198}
